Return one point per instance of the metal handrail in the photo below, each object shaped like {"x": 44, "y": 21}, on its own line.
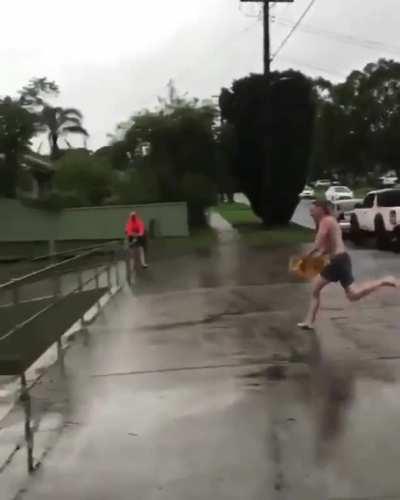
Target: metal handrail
{"x": 58, "y": 297}
{"x": 81, "y": 285}
{"x": 22, "y": 280}
{"x": 73, "y": 250}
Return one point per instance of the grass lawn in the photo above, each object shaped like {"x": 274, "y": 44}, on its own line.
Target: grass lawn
{"x": 256, "y": 234}
{"x": 237, "y": 213}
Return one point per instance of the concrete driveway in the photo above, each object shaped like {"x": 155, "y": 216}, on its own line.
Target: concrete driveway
{"x": 197, "y": 385}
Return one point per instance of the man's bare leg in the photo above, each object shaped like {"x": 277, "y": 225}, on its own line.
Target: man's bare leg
{"x": 358, "y": 292}
{"x": 308, "y": 323}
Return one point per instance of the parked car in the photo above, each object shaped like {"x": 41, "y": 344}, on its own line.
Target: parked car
{"x": 378, "y": 216}
{"x": 308, "y": 192}
{"x": 336, "y": 193}
{"x": 342, "y": 210}
{"x": 389, "y": 180}
{"x": 322, "y": 183}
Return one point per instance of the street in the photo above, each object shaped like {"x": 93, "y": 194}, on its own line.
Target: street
{"x": 197, "y": 385}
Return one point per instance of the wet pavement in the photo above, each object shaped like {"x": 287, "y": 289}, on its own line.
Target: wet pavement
{"x": 196, "y": 384}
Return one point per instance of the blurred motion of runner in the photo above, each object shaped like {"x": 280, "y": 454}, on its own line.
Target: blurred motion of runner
{"x": 329, "y": 241}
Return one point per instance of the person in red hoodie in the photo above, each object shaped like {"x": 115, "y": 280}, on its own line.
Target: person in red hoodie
{"x": 135, "y": 231}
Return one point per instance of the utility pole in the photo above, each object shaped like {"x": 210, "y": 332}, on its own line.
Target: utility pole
{"x": 267, "y": 40}
{"x": 267, "y": 43}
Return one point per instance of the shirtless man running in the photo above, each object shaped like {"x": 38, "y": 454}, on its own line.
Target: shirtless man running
{"x": 329, "y": 241}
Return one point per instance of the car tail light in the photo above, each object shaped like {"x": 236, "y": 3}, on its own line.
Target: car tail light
{"x": 393, "y": 217}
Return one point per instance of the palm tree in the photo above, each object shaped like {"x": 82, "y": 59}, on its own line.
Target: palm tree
{"x": 60, "y": 122}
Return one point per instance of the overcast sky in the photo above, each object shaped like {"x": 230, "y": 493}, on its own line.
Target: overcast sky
{"x": 112, "y": 58}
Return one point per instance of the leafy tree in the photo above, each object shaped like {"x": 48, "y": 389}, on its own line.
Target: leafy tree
{"x": 83, "y": 178}
{"x": 17, "y": 127}
{"x": 57, "y": 122}
{"x": 272, "y": 125}
{"x": 34, "y": 94}
{"x": 135, "y": 187}
{"x": 225, "y": 154}
{"x": 181, "y": 140}
{"x": 358, "y": 121}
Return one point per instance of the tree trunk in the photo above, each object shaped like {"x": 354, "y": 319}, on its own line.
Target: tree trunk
{"x": 55, "y": 150}
{"x": 9, "y": 177}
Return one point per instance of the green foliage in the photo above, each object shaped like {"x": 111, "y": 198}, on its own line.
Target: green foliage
{"x": 358, "y": 122}
{"x": 57, "y": 122}
{"x": 255, "y": 234}
{"x": 53, "y": 202}
{"x": 271, "y": 125}
{"x": 238, "y": 213}
{"x": 180, "y": 159}
{"x": 33, "y": 95}
{"x": 17, "y": 127}
{"x": 135, "y": 187}
{"x": 84, "y": 179}
{"x": 200, "y": 192}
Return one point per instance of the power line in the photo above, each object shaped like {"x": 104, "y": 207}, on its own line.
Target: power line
{"x": 343, "y": 37}
{"x": 294, "y": 28}
{"x": 314, "y": 67}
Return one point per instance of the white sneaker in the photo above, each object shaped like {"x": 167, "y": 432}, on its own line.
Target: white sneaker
{"x": 305, "y": 326}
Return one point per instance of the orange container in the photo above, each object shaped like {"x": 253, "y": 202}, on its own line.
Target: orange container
{"x": 307, "y": 268}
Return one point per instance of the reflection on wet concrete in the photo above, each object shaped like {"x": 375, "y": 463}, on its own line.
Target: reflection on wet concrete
{"x": 196, "y": 384}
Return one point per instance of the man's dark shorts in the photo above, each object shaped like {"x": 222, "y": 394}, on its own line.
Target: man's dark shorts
{"x": 339, "y": 269}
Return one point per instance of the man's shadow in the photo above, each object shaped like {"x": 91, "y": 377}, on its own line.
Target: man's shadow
{"x": 333, "y": 389}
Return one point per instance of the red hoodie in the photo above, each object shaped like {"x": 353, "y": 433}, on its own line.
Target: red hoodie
{"x": 135, "y": 226}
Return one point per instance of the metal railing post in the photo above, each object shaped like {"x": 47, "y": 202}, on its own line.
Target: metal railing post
{"x": 109, "y": 275}
{"x": 128, "y": 263}
{"x": 15, "y": 294}
{"x": 52, "y": 250}
{"x": 80, "y": 281}
{"x": 96, "y": 277}
{"x": 60, "y": 356}
{"x": 26, "y": 400}
{"x": 56, "y": 285}
{"x": 117, "y": 275}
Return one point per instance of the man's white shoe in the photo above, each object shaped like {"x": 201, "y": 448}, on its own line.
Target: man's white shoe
{"x": 305, "y": 326}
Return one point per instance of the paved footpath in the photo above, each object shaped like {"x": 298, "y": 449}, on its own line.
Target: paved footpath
{"x": 196, "y": 385}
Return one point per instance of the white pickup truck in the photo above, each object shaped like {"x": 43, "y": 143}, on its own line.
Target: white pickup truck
{"x": 378, "y": 215}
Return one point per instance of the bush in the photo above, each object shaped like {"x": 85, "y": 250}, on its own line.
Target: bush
{"x": 136, "y": 186}
{"x": 200, "y": 192}
{"x": 54, "y": 202}
{"x": 82, "y": 179}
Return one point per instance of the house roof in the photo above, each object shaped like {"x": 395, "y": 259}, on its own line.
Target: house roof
{"x": 37, "y": 162}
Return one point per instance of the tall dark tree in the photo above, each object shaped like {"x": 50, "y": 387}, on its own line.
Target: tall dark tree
{"x": 17, "y": 127}
{"x": 273, "y": 129}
